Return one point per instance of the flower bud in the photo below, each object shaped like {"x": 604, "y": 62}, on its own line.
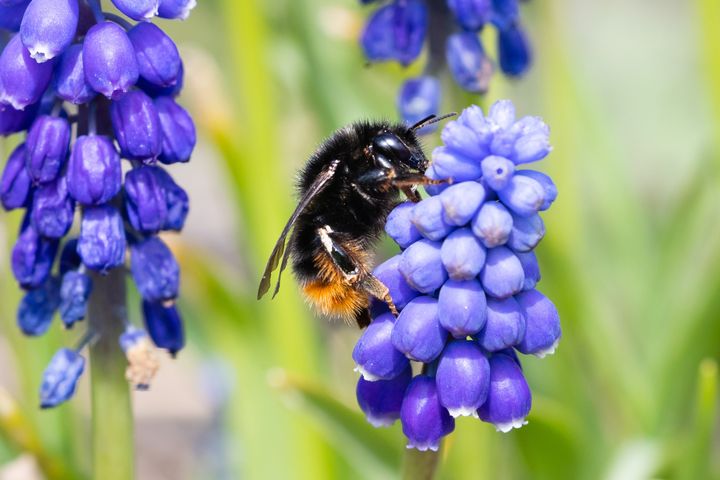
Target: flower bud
{"x": 462, "y": 255}
{"x": 389, "y": 274}
{"x": 48, "y": 27}
{"x": 543, "y": 324}
{"x": 471, "y": 14}
{"x": 418, "y": 99}
{"x": 531, "y": 269}
{"x": 137, "y": 126}
{"x": 505, "y": 12}
{"x": 157, "y": 56}
{"x": 177, "y": 131}
{"x": 142, "y": 358}
{"x": 473, "y": 118}
{"x": 176, "y": 201}
{"x": 514, "y": 55}
{"x": 523, "y": 195}
{"x": 15, "y": 181}
{"x": 176, "y": 9}
{"x": 36, "y": 309}
{"x": 395, "y": 32}
{"x": 101, "y": 244}
{"x": 461, "y": 307}
{"x": 424, "y": 420}
{"x": 421, "y": 265}
{"x": 547, "y": 183}
{"x": 164, "y": 326}
{"x": 72, "y": 85}
{"x": 467, "y": 62}
{"x": 60, "y": 377}
{"x": 458, "y": 138}
{"x": 109, "y": 60}
{"x": 94, "y": 173}
{"x": 448, "y": 163}
{"x": 509, "y": 397}
{"x": 156, "y": 91}
{"x": 505, "y": 325}
{"x": 374, "y": 355}
{"x": 399, "y": 225}
{"x": 492, "y": 224}
{"x": 531, "y": 148}
{"x": 427, "y": 216}
{"x": 381, "y": 400}
{"x": 138, "y": 9}
{"x": 74, "y": 294}
{"x": 497, "y": 171}
{"x": 462, "y": 378}
{"x": 22, "y": 80}
{"x": 417, "y": 332}
{"x": 526, "y": 233}
{"x": 461, "y": 201}
{"x": 52, "y": 209}
{"x": 11, "y": 14}
{"x": 47, "y": 146}
{"x": 13, "y": 121}
{"x": 502, "y": 114}
{"x": 503, "y": 273}
{"x": 145, "y": 200}
{"x": 155, "y": 270}
{"x": 32, "y": 257}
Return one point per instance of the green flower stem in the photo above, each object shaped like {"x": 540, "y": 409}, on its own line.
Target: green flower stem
{"x": 419, "y": 465}
{"x": 112, "y": 421}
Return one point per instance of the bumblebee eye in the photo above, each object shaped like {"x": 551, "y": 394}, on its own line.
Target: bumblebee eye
{"x": 388, "y": 147}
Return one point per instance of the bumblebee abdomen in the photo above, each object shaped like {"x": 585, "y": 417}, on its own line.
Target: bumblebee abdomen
{"x": 336, "y": 299}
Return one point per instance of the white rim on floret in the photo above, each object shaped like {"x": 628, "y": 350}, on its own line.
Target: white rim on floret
{"x": 40, "y": 53}
{"x": 507, "y": 426}
{"x": 379, "y": 422}
{"x": 463, "y": 412}
{"x": 186, "y": 12}
{"x": 548, "y": 351}
{"x": 423, "y": 447}
{"x": 365, "y": 374}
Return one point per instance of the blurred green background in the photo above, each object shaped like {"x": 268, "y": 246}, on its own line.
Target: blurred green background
{"x": 631, "y": 91}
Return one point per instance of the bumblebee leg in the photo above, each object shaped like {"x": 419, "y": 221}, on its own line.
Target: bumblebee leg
{"x": 377, "y": 289}
{"x": 385, "y": 178}
{"x": 413, "y": 179}
{"x": 411, "y": 194}
{"x": 353, "y": 272}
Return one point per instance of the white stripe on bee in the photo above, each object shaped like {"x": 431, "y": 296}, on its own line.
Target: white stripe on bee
{"x": 325, "y": 237}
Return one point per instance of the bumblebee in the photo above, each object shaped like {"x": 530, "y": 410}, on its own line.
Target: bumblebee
{"x": 347, "y": 189}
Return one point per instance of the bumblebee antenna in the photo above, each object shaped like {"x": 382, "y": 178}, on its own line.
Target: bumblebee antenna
{"x": 430, "y": 119}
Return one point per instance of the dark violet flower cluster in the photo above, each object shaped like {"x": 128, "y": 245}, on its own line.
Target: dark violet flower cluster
{"x": 91, "y": 88}
{"x": 398, "y": 29}
{"x": 464, "y": 284}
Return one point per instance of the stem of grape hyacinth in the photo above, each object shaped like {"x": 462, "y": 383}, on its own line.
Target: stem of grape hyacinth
{"x": 112, "y": 421}
{"x": 419, "y": 465}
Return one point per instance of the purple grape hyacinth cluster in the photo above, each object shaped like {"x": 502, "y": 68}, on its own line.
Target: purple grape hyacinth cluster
{"x": 398, "y": 30}
{"x": 90, "y": 89}
{"x": 465, "y": 285}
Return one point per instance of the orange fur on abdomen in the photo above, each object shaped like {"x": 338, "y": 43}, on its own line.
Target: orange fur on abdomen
{"x": 336, "y": 299}
{"x": 332, "y": 293}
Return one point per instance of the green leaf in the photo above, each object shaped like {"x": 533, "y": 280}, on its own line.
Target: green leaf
{"x": 373, "y": 452}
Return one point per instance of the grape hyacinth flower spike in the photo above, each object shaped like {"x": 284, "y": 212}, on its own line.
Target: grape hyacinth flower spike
{"x": 465, "y": 285}
{"x": 94, "y": 90}
{"x": 397, "y": 31}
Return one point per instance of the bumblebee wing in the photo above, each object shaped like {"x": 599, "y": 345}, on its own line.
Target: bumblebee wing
{"x": 317, "y": 186}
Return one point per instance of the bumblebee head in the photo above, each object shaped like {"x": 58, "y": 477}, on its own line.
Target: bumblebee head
{"x": 393, "y": 152}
